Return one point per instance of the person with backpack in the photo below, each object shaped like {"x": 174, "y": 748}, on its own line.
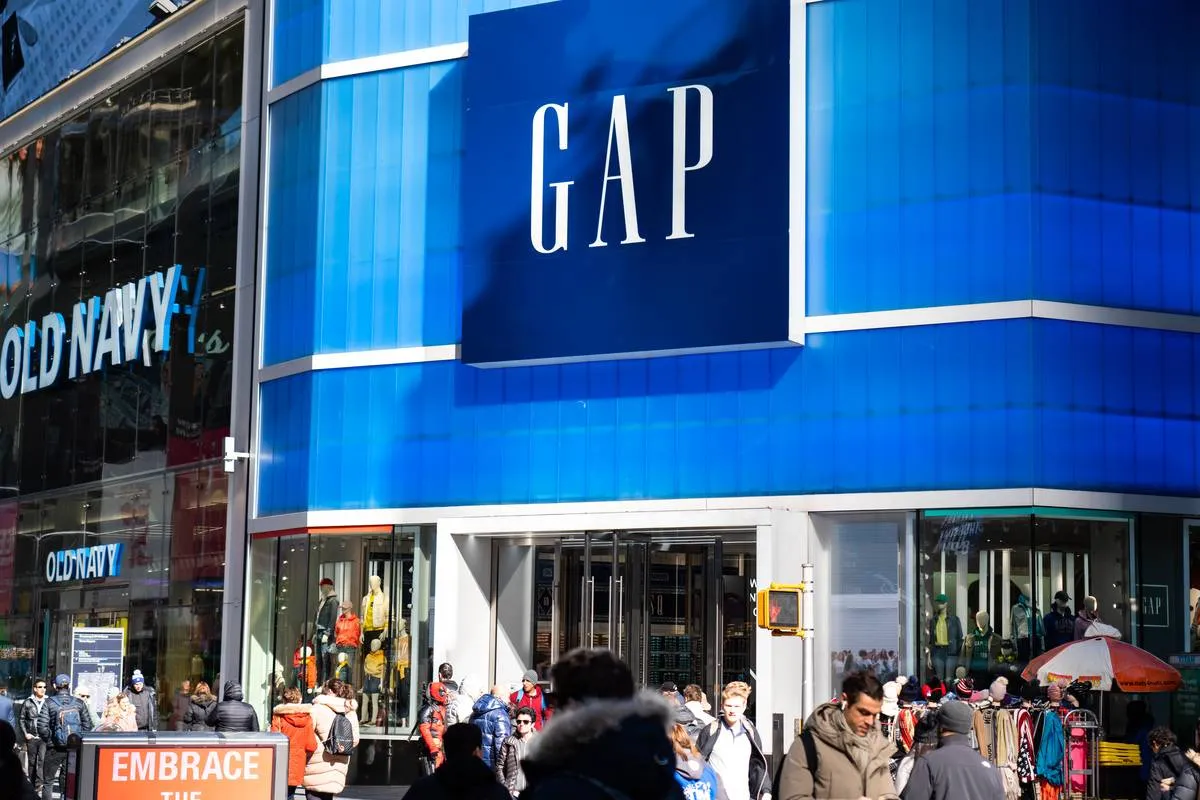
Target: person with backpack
{"x": 1172, "y": 775}
{"x": 233, "y": 714}
{"x": 63, "y": 715}
{"x": 842, "y": 752}
{"x": 733, "y": 747}
{"x": 532, "y": 696}
{"x": 336, "y": 724}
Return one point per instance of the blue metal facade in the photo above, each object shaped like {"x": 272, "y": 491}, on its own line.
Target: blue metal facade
{"x": 957, "y": 153}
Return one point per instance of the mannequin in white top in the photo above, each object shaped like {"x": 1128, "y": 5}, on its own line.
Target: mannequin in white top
{"x": 374, "y": 611}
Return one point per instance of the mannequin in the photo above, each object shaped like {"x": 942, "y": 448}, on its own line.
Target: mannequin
{"x": 402, "y": 651}
{"x": 1026, "y": 625}
{"x": 306, "y": 668}
{"x": 945, "y": 638}
{"x": 981, "y": 648}
{"x": 325, "y": 622}
{"x": 342, "y": 670}
{"x": 374, "y": 611}
{"x": 348, "y": 635}
{"x": 1087, "y": 615}
{"x": 373, "y": 667}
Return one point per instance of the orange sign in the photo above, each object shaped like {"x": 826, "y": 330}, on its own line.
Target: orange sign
{"x": 185, "y": 773}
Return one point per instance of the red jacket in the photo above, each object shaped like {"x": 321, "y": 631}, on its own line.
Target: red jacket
{"x": 296, "y": 723}
{"x": 535, "y": 701}
{"x": 433, "y": 722}
{"x": 347, "y": 631}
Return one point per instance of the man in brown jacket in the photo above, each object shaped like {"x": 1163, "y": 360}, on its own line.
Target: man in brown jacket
{"x": 851, "y": 756}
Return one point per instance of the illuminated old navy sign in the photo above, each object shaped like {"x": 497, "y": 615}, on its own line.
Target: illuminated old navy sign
{"x": 111, "y": 329}
{"x": 84, "y": 563}
{"x": 626, "y": 181}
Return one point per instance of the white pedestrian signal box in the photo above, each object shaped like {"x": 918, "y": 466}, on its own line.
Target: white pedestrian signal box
{"x": 779, "y": 608}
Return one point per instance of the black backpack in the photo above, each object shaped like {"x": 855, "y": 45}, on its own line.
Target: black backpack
{"x": 340, "y": 741}
{"x": 65, "y": 720}
{"x": 810, "y": 756}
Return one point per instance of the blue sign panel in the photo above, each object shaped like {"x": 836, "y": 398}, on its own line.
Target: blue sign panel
{"x": 97, "y": 662}
{"x": 626, "y": 180}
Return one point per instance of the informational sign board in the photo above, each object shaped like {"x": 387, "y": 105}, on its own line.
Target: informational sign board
{"x": 97, "y": 662}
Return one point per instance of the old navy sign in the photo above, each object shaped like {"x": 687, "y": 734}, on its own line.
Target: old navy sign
{"x": 627, "y": 176}
{"x": 84, "y": 563}
{"x": 114, "y": 329}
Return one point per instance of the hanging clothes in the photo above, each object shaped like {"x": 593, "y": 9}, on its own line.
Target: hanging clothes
{"x": 1026, "y": 761}
{"x": 1077, "y": 755}
{"x": 1006, "y": 753}
{"x": 1052, "y": 750}
{"x": 984, "y": 728}
{"x": 906, "y": 723}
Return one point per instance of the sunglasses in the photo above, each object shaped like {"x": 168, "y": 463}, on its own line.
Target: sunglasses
{"x": 524, "y": 722}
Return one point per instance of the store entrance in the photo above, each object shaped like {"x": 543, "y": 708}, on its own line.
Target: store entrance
{"x": 676, "y": 606}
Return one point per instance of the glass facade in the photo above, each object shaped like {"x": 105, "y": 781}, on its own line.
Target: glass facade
{"x": 352, "y": 604}
{"x": 132, "y": 203}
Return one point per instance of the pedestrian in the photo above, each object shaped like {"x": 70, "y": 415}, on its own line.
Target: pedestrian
{"x": 85, "y": 694}
{"x": 842, "y": 753}
{"x": 733, "y": 747}
{"x": 463, "y": 776}
{"x": 490, "y": 715}
{"x": 695, "y": 775}
{"x": 698, "y": 704}
{"x": 1172, "y": 775}
{"x": 200, "y": 705}
{"x": 682, "y": 714}
{"x": 179, "y": 704}
{"x": 62, "y": 716}
{"x": 293, "y": 719}
{"x": 144, "y": 702}
{"x": 35, "y": 748}
{"x": 446, "y": 676}
{"x": 119, "y": 714}
{"x": 8, "y": 711}
{"x": 604, "y": 741}
{"x": 925, "y": 740}
{"x": 433, "y": 724}
{"x": 955, "y": 769}
{"x": 462, "y": 703}
{"x": 530, "y": 696}
{"x": 509, "y": 771}
{"x": 11, "y": 774}
{"x": 325, "y": 772}
{"x": 233, "y": 714}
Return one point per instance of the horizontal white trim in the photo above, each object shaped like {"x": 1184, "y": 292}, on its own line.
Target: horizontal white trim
{"x": 358, "y": 358}
{"x": 632, "y": 355}
{"x": 700, "y": 512}
{"x": 363, "y": 66}
{"x": 1011, "y": 309}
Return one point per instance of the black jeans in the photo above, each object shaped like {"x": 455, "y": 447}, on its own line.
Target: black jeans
{"x": 319, "y": 795}
{"x": 55, "y": 771}
{"x": 35, "y": 748}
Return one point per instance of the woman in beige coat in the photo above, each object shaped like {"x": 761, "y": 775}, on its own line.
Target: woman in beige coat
{"x": 325, "y": 774}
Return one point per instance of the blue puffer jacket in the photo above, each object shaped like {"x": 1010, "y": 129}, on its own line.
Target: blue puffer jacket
{"x": 490, "y": 715}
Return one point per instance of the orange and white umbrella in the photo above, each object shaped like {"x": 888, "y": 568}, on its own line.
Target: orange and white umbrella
{"x": 1107, "y": 664}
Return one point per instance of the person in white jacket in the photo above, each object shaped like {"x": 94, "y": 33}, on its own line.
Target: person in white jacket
{"x": 695, "y": 702}
{"x": 325, "y": 773}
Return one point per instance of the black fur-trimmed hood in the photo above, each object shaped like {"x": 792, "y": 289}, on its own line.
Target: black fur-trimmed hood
{"x": 620, "y": 745}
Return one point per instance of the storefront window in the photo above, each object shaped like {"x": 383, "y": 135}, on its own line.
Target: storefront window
{"x": 1001, "y": 587}
{"x": 352, "y": 605}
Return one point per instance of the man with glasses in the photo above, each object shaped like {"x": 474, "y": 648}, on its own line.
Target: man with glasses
{"x": 35, "y": 748}
{"x": 512, "y": 752}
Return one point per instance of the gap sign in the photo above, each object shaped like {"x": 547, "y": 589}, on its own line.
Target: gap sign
{"x": 626, "y": 180}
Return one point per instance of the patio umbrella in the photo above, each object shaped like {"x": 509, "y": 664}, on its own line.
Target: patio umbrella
{"x": 1107, "y": 663}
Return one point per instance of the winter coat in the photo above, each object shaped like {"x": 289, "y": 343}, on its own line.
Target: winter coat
{"x": 1059, "y": 628}
{"x": 490, "y": 715}
{"x": 604, "y": 749}
{"x": 955, "y": 770}
{"x": 954, "y": 633}
{"x": 838, "y": 773}
{"x": 432, "y": 724}
{"x": 8, "y": 712}
{"x": 326, "y": 772}
{"x": 463, "y": 779}
{"x": 1169, "y": 762}
{"x": 1083, "y": 621}
{"x": 13, "y": 778}
{"x": 760, "y": 776}
{"x": 195, "y": 717}
{"x": 119, "y": 716}
{"x": 29, "y": 717}
{"x": 294, "y": 720}
{"x": 508, "y": 766}
{"x": 55, "y": 703}
{"x": 231, "y": 715}
{"x": 697, "y": 779}
{"x": 535, "y": 701}
{"x": 146, "y": 705}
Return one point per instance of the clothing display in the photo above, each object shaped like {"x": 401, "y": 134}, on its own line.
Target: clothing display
{"x": 347, "y": 630}
{"x": 375, "y": 607}
{"x": 982, "y": 649}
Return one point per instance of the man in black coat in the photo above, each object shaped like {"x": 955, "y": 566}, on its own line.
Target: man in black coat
{"x": 233, "y": 715}
{"x": 463, "y": 774}
{"x": 59, "y": 710}
{"x": 955, "y": 770}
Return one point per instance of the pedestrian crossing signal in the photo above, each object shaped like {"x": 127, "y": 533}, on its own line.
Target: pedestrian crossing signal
{"x": 779, "y": 608}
